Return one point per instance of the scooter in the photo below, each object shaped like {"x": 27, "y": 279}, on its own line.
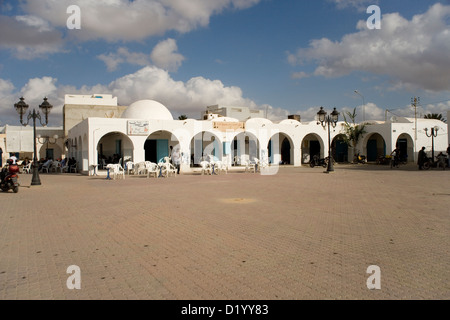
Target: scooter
{"x": 9, "y": 178}
{"x": 359, "y": 159}
{"x": 316, "y": 161}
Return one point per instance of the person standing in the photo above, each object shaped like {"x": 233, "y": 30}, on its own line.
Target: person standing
{"x": 13, "y": 158}
{"x": 1, "y": 157}
{"x": 395, "y": 155}
{"x": 170, "y": 154}
{"x": 176, "y": 159}
{"x": 421, "y": 158}
{"x": 448, "y": 156}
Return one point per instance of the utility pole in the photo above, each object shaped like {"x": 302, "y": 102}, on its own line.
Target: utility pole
{"x": 414, "y": 102}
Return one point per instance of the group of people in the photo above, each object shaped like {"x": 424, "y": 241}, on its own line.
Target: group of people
{"x": 442, "y": 159}
{"x": 66, "y": 162}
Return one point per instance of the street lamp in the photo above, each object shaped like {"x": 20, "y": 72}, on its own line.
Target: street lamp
{"x": 330, "y": 120}
{"x": 363, "y": 106}
{"x": 434, "y": 132}
{"x": 22, "y": 108}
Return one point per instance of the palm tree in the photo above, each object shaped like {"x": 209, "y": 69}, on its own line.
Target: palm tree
{"x": 182, "y": 117}
{"x": 437, "y": 116}
{"x": 353, "y": 131}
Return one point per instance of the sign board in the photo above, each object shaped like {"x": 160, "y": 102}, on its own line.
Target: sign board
{"x": 138, "y": 128}
{"x": 229, "y": 126}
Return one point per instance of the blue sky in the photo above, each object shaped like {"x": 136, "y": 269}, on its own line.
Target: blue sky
{"x": 284, "y": 56}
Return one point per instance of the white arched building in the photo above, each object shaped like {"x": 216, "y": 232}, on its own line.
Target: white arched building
{"x": 146, "y": 131}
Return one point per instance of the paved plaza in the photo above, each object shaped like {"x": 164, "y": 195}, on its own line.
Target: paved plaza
{"x": 300, "y": 234}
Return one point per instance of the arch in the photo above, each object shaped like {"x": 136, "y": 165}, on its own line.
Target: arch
{"x": 375, "y": 146}
{"x": 281, "y": 149}
{"x": 245, "y": 147}
{"x": 159, "y": 144}
{"x": 312, "y": 144}
{"x": 405, "y": 144}
{"x": 50, "y": 150}
{"x": 205, "y": 144}
{"x": 339, "y": 148}
{"x": 114, "y": 146}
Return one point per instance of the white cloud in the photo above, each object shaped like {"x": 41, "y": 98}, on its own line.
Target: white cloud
{"x": 36, "y": 22}
{"x": 123, "y": 55}
{"x": 371, "y": 111}
{"x": 34, "y": 92}
{"x": 6, "y": 102}
{"x": 165, "y": 55}
{"x": 411, "y": 52}
{"x": 35, "y": 88}
{"x": 112, "y": 61}
{"x": 37, "y": 33}
{"x": 299, "y": 75}
{"x": 29, "y": 37}
{"x": 361, "y": 5}
{"x": 125, "y": 20}
{"x": 189, "y": 97}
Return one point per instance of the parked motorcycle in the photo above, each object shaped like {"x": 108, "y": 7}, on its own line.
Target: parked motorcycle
{"x": 428, "y": 163}
{"x": 316, "y": 161}
{"x": 384, "y": 160}
{"x": 9, "y": 177}
{"x": 359, "y": 159}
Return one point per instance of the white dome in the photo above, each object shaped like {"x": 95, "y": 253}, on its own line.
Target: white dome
{"x": 147, "y": 110}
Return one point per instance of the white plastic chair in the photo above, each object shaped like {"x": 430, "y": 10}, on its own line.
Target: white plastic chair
{"x": 129, "y": 165}
{"x": 139, "y": 168}
{"x": 116, "y": 171}
{"x": 250, "y": 166}
{"x": 220, "y": 166}
{"x": 56, "y": 165}
{"x": 152, "y": 169}
{"x": 263, "y": 164}
{"x": 206, "y": 167}
{"x": 27, "y": 168}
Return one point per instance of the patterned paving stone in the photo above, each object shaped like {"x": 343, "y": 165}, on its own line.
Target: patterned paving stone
{"x": 300, "y": 235}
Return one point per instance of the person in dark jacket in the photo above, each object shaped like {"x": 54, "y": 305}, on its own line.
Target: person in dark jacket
{"x": 421, "y": 158}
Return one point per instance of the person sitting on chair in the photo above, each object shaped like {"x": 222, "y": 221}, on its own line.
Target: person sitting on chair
{"x": 46, "y": 164}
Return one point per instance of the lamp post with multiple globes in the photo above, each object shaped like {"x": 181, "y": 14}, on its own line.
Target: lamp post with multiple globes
{"x": 21, "y": 108}
{"x": 330, "y": 121}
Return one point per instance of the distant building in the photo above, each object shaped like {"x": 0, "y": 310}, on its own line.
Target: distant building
{"x": 79, "y": 107}
{"x": 18, "y": 140}
{"x": 448, "y": 125}
{"x": 295, "y": 117}
{"x": 239, "y": 113}
{"x": 96, "y": 128}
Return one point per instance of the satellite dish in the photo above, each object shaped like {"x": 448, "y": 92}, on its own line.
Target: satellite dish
{"x": 393, "y": 119}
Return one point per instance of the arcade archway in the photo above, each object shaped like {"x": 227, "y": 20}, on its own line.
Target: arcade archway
{"x": 159, "y": 144}
{"x": 114, "y": 147}
{"x": 312, "y": 145}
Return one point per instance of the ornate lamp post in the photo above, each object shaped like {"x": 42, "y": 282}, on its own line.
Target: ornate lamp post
{"x": 434, "y": 132}
{"x": 329, "y": 121}
{"x": 22, "y": 108}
